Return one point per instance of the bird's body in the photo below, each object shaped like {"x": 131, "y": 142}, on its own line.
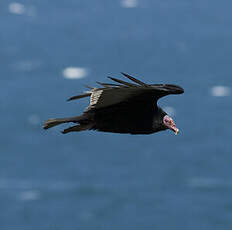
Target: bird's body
{"x": 125, "y": 119}
{"x": 125, "y": 108}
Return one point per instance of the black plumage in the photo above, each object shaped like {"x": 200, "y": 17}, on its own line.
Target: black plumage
{"x": 123, "y": 108}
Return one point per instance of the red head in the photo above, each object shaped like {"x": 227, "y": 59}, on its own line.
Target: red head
{"x": 170, "y": 124}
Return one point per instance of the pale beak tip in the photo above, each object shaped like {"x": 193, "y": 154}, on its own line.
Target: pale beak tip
{"x": 176, "y": 131}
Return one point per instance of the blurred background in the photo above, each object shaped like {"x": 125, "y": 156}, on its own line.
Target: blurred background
{"x": 49, "y": 50}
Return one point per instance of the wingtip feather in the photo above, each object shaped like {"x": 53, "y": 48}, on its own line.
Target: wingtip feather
{"x": 135, "y": 80}
{"x": 79, "y": 96}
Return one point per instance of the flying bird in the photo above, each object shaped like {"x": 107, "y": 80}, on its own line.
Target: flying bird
{"x": 124, "y": 107}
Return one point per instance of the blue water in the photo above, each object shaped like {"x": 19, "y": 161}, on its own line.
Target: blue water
{"x": 94, "y": 180}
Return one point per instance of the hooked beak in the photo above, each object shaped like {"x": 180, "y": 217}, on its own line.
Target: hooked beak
{"x": 173, "y": 127}
{"x": 176, "y": 130}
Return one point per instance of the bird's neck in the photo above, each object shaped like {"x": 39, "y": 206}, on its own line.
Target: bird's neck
{"x": 158, "y": 124}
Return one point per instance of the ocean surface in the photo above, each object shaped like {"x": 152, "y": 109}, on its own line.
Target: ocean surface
{"x": 99, "y": 181}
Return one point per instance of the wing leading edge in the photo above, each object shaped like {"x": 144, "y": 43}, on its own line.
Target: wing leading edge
{"x": 111, "y": 94}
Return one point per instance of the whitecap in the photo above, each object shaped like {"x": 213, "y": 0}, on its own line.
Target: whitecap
{"x": 129, "y": 3}
{"x": 16, "y": 8}
{"x": 75, "y": 72}
{"x": 20, "y": 9}
{"x": 220, "y": 91}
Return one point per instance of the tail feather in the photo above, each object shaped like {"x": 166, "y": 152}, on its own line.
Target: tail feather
{"x": 57, "y": 121}
{"x": 53, "y": 122}
{"x": 76, "y": 128}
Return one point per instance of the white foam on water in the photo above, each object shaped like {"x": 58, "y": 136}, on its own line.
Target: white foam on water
{"x": 34, "y": 119}
{"x": 169, "y": 110}
{"x": 75, "y": 72}
{"x": 20, "y": 9}
{"x": 129, "y": 3}
{"x": 220, "y": 91}
{"x": 16, "y": 8}
{"x": 29, "y": 195}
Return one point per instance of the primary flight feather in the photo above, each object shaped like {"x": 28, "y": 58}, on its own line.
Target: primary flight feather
{"x": 122, "y": 108}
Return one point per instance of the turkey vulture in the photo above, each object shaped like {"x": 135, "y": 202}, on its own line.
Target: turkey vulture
{"x": 122, "y": 108}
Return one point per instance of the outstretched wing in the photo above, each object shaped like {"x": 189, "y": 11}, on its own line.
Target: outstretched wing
{"x": 125, "y": 92}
